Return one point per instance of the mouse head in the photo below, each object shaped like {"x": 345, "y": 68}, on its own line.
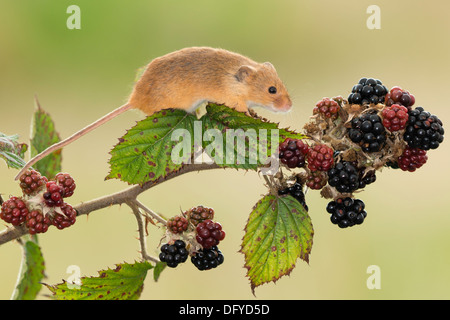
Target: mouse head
{"x": 264, "y": 87}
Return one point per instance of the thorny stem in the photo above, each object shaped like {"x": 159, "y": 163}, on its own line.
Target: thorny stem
{"x": 125, "y": 196}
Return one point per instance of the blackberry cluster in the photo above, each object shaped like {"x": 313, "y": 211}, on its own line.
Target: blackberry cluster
{"x": 206, "y": 259}
{"x": 209, "y": 233}
{"x": 295, "y": 191}
{"x": 292, "y": 152}
{"x": 199, "y": 214}
{"x": 366, "y": 177}
{"x": 177, "y": 224}
{"x": 368, "y": 131}
{"x": 346, "y": 212}
{"x": 424, "y": 131}
{"x": 400, "y": 97}
{"x": 368, "y": 90}
{"x": 174, "y": 254}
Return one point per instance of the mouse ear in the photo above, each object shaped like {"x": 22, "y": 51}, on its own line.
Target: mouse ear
{"x": 268, "y": 64}
{"x": 244, "y": 72}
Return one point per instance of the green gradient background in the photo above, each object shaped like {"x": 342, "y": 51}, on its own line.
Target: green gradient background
{"x": 320, "y": 48}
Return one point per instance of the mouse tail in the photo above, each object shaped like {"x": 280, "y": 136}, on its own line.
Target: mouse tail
{"x": 61, "y": 144}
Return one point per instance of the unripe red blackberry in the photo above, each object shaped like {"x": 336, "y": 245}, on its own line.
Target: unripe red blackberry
{"x": 177, "y": 224}
{"x": 316, "y": 180}
{"x": 37, "y": 222}
{"x": 209, "y": 233}
{"x": 292, "y": 152}
{"x": 67, "y": 182}
{"x": 62, "y": 221}
{"x": 14, "y": 211}
{"x": 199, "y": 214}
{"x": 395, "y": 117}
{"x": 206, "y": 259}
{"x": 327, "y": 107}
{"x": 412, "y": 159}
{"x": 400, "y": 97}
{"x": 32, "y": 182}
{"x": 53, "y": 197}
{"x": 320, "y": 158}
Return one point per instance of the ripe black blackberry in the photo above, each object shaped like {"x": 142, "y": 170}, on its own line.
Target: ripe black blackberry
{"x": 206, "y": 259}
{"x": 368, "y": 90}
{"x": 366, "y": 177}
{"x": 424, "y": 130}
{"x": 295, "y": 191}
{"x": 344, "y": 177}
{"x": 174, "y": 254}
{"x": 346, "y": 212}
{"x": 368, "y": 131}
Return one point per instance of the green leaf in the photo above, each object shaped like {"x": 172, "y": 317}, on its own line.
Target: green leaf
{"x": 31, "y": 273}
{"x": 159, "y": 267}
{"x": 125, "y": 282}
{"x": 144, "y": 153}
{"x": 278, "y": 231}
{"x": 43, "y": 136}
{"x": 247, "y": 141}
{"x": 12, "y": 151}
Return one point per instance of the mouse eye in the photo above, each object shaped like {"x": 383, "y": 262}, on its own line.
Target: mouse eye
{"x": 272, "y": 90}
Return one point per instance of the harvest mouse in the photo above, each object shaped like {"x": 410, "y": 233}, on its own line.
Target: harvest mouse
{"x": 187, "y": 78}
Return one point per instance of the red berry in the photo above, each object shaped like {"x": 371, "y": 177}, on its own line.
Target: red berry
{"x": 209, "y": 234}
{"x": 63, "y": 221}
{"x": 14, "y": 211}
{"x": 292, "y": 152}
{"x": 36, "y": 222}
{"x": 199, "y": 214}
{"x": 320, "y": 158}
{"x": 412, "y": 159}
{"x": 395, "y": 117}
{"x": 399, "y": 96}
{"x": 316, "y": 180}
{"x": 54, "y": 195}
{"x": 31, "y": 182}
{"x": 67, "y": 182}
{"x": 327, "y": 107}
{"x": 177, "y": 224}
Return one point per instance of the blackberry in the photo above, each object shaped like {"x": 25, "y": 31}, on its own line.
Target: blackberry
{"x": 366, "y": 177}
{"x": 292, "y": 152}
{"x": 206, "y": 259}
{"x": 368, "y": 90}
{"x": 327, "y": 107}
{"x": 400, "y": 97}
{"x": 316, "y": 180}
{"x": 14, "y": 211}
{"x": 174, "y": 254}
{"x": 412, "y": 159}
{"x": 344, "y": 177}
{"x": 424, "y": 130}
{"x": 65, "y": 220}
{"x": 31, "y": 182}
{"x": 395, "y": 117}
{"x": 53, "y": 197}
{"x": 199, "y": 214}
{"x": 368, "y": 131}
{"x": 295, "y": 191}
{"x": 320, "y": 158}
{"x": 177, "y": 224}
{"x": 209, "y": 233}
{"x": 37, "y": 222}
{"x": 67, "y": 182}
{"x": 346, "y": 212}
